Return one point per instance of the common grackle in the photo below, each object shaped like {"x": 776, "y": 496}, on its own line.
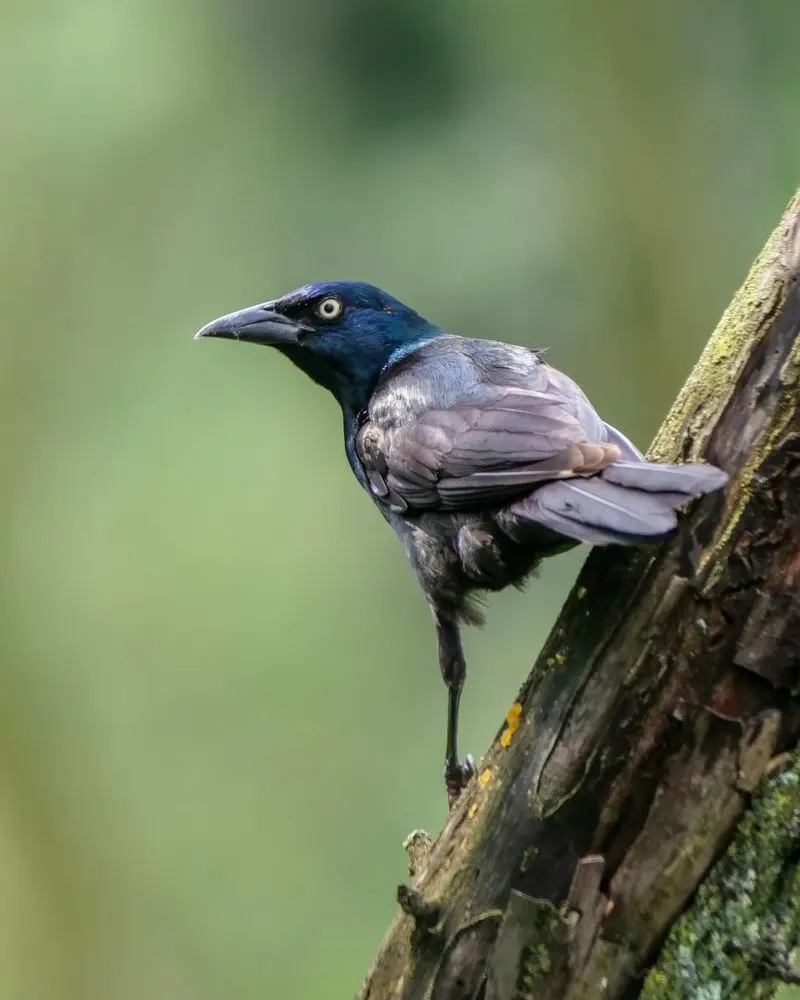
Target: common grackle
{"x": 482, "y": 457}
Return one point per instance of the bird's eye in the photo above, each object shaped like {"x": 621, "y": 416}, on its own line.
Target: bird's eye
{"x": 329, "y": 309}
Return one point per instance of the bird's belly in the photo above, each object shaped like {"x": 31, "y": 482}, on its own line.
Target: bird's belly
{"x": 456, "y": 554}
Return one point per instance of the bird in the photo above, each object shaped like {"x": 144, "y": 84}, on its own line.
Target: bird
{"x": 483, "y": 457}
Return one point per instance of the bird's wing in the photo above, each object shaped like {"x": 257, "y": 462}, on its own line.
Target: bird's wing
{"x": 473, "y": 454}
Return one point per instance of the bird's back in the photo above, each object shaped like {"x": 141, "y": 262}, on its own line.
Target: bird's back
{"x": 485, "y": 459}
{"x": 448, "y": 369}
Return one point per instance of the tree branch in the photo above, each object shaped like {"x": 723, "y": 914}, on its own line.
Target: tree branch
{"x": 662, "y": 694}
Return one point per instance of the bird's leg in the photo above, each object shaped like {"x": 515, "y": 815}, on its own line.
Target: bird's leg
{"x": 454, "y": 670}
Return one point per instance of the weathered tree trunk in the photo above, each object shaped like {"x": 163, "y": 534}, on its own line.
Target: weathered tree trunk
{"x": 664, "y": 694}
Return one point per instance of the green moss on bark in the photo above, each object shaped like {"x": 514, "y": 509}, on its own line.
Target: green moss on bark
{"x": 746, "y": 916}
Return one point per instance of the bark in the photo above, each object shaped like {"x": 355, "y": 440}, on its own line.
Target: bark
{"x": 665, "y": 692}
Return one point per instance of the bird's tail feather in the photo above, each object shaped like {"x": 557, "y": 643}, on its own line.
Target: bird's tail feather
{"x": 626, "y": 503}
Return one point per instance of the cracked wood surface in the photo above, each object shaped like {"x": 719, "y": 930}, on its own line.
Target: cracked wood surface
{"x": 651, "y": 714}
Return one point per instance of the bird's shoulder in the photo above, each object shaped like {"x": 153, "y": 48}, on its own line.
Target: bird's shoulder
{"x": 451, "y": 370}
{"x": 459, "y": 422}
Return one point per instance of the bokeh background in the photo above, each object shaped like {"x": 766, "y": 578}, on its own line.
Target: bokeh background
{"x": 220, "y": 709}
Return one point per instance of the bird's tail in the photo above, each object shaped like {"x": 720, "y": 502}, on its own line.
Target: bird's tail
{"x": 625, "y": 504}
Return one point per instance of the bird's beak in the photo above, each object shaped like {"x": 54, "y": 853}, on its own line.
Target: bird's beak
{"x": 257, "y": 324}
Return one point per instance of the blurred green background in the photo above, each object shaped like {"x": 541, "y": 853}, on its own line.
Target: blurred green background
{"x": 221, "y": 711}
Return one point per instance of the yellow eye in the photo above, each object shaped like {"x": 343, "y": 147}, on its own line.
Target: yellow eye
{"x": 329, "y": 309}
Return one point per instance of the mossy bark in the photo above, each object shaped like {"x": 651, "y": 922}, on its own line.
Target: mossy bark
{"x": 663, "y": 693}
{"x": 745, "y": 919}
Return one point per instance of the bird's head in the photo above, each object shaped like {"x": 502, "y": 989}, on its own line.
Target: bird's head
{"x": 341, "y": 333}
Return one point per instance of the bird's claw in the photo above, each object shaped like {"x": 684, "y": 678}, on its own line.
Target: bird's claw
{"x": 456, "y": 777}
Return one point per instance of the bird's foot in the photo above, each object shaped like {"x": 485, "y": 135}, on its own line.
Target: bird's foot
{"x": 457, "y": 776}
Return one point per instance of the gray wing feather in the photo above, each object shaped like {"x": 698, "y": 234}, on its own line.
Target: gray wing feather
{"x": 599, "y": 512}
{"x": 628, "y": 448}
{"x": 473, "y": 424}
{"x": 468, "y": 456}
{"x": 688, "y": 480}
{"x": 624, "y": 502}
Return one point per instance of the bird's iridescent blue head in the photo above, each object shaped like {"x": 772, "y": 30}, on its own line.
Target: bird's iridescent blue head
{"x": 341, "y": 333}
